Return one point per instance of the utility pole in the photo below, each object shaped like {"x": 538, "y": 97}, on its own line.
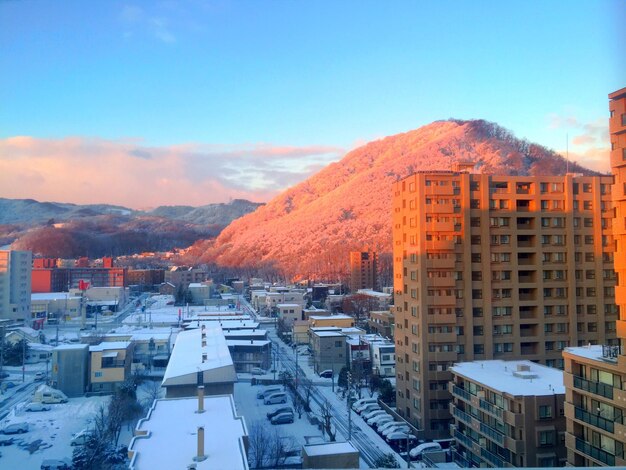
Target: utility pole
{"x": 349, "y": 410}
{"x": 23, "y": 359}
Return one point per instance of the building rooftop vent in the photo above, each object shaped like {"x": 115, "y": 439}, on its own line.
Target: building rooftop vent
{"x": 523, "y": 372}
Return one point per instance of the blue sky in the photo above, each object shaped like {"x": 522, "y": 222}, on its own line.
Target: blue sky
{"x": 294, "y": 83}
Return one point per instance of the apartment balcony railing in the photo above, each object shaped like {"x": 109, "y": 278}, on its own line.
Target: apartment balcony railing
{"x": 594, "y": 452}
{"x": 463, "y": 439}
{"x": 467, "y": 419}
{"x": 464, "y": 394}
{"x": 594, "y": 419}
{"x": 490, "y": 432}
{"x": 493, "y": 458}
{"x": 493, "y": 409}
{"x": 597, "y": 388}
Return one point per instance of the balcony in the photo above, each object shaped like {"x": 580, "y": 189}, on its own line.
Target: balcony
{"x": 594, "y": 452}
{"x": 459, "y": 392}
{"x": 491, "y": 433}
{"x": 493, "y": 458}
{"x": 597, "y": 388}
{"x": 494, "y": 410}
{"x": 464, "y": 417}
{"x": 463, "y": 439}
{"x": 594, "y": 419}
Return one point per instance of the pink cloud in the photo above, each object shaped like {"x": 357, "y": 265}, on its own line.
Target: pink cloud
{"x": 91, "y": 170}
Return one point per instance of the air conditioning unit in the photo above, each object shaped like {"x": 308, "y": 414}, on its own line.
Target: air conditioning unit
{"x": 482, "y": 441}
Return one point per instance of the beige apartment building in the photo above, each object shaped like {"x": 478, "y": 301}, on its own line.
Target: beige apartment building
{"x": 15, "y": 270}
{"x": 495, "y": 267}
{"x": 507, "y": 414}
{"x": 363, "y": 270}
{"x": 595, "y": 376}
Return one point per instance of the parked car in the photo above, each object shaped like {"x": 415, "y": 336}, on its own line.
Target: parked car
{"x": 366, "y": 408}
{"x": 372, "y": 414}
{"x": 277, "y": 411}
{"x": 282, "y": 418}
{"x": 326, "y": 374}
{"x": 401, "y": 440}
{"x": 267, "y": 392}
{"x": 81, "y": 438}
{"x": 17, "y": 428}
{"x": 417, "y": 452}
{"x": 275, "y": 398}
{"x": 6, "y": 441}
{"x": 257, "y": 371}
{"x": 34, "y": 406}
{"x": 363, "y": 401}
{"x": 388, "y": 425}
{"x": 40, "y": 375}
{"x": 55, "y": 464}
{"x": 401, "y": 428}
{"x": 4, "y": 375}
{"x": 381, "y": 420}
{"x": 7, "y": 384}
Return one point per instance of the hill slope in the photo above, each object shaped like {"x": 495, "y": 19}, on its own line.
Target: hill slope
{"x": 310, "y": 228}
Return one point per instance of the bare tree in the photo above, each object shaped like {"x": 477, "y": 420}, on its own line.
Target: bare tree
{"x": 279, "y": 446}
{"x": 259, "y": 444}
{"x": 326, "y": 414}
{"x": 306, "y": 386}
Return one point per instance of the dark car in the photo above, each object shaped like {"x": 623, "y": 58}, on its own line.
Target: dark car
{"x": 53, "y": 464}
{"x": 326, "y": 374}
{"x": 277, "y": 411}
{"x": 283, "y": 418}
{"x": 6, "y": 441}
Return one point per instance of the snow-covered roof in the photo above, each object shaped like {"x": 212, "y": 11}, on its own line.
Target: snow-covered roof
{"x": 109, "y": 346}
{"x": 588, "y": 352}
{"x": 373, "y": 293}
{"x": 52, "y": 296}
{"x": 504, "y": 377}
{"x": 353, "y": 330}
{"x": 235, "y": 334}
{"x": 334, "y": 317}
{"x": 287, "y": 305}
{"x": 172, "y": 428}
{"x": 328, "y": 334}
{"x": 189, "y": 357}
{"x": 247, "y": 342}
{"x": 65, "y": 347}
{"x": 330, "y": 448}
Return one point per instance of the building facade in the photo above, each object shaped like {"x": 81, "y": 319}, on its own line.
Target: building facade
{"x": 595, "y": 376}
{"x": 363, "y": 270}
{"x": 495, "y": 267}
{"x": 507, "y": 414}
{"x": 15, "y": 284}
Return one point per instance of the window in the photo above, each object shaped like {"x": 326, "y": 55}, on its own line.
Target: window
{"x": 479, "y": 349}
{"x": 337, "y": 344}
{"x": 546, "y": 438}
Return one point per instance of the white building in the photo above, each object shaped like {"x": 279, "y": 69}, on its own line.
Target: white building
{"x": 200, "y": 356}
{"x": 383, "y": 354}
{"x": 289, "y": 313}
{"x": 15, "y": 284}
{"x": 200, "y": 433}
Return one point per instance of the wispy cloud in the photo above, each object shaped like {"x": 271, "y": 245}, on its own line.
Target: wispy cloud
{"x": 588, "y": 141}
{"x": 88, "y": 170}
{"x": 136, "y": 21}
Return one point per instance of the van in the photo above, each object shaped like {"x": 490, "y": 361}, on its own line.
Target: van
{"x": 267, "y": 392}
{"x": 275, "y": 398}
{"x": 417, "y": 452}
{"x": 48, "y": 395}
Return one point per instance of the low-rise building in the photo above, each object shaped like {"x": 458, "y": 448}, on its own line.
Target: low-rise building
{"x": 300, "y": 332}
{"x": 109, "y": 365}
{"x": 506, "y": 413}
{"x": 341, "y": 321}
{"x": 330, "y": 455}
{"x": 201, "y": 291}
{"x": 53, "y": 306}
{"x": 383, "y": 354}
{"x": 289, "y": 313}
{"x": 595, "y": 406}
{"x": 202, "y": 433}
{"x": 70, "y": 369}
{"x": 381, "y": 322}
{"x": 329, "y": 349}
{"x": 200, "y": 357}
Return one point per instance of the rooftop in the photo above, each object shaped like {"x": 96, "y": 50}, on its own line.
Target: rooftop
{"x": 190, "y": 356}
{"x": 173, "y": 424}
{"x": 596, "y": 352}
{"x": 331, "y": 448}
{"x": 333, "y": 317}
{"x": 504, "y": 376}
{"x": 373, "y": 293}
{"x": 53, "y": 296}
{"x": 109, "y": 345}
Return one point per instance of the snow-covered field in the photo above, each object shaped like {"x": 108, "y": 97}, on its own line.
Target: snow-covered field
{"x": 50, "y": 432}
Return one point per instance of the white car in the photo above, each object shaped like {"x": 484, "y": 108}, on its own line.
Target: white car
{"x": 34, "y": 406}
{"x": 381, "y": 420}
{"x": 367, "y": 407}
{"x": 402, "y": 428}
{"x": 372, "y": 414}
{"x": 375, "y": 417}
{"x": 417, "y": 452}
{"x": 363, "y": 401}
{"x": 388, "y": 425}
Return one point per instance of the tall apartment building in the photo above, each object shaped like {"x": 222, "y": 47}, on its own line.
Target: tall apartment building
{"x": 507, "y": 414}
{"x": 15, "y": 269}
{"x": 595, "y": 377}
{"x": 495, "y": 267}
{"x": 363, "y": 270}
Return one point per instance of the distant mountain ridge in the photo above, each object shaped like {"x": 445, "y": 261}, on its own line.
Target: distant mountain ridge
{"x": 68, "y": 230}
{"x": 309, "y": 229}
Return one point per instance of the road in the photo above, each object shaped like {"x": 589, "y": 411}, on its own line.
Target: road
{"x": 23, "y": 393}
{"x": 370, "y": 453}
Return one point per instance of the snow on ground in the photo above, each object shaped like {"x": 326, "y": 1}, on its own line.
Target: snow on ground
{"x": 50, "y": 433}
